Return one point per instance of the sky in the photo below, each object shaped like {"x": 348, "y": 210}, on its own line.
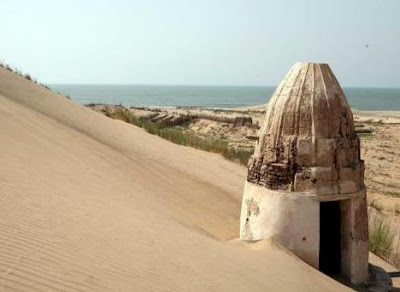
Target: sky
{"x": 235, "y": 42}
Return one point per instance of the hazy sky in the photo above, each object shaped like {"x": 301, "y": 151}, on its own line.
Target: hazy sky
{"x": 200, "y": 42}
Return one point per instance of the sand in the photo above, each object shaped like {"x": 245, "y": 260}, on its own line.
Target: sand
{"x": 380, "y": 149}
{"x": 93, "y": 204}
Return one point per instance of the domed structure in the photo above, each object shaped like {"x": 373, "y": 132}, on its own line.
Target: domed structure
{"x": 307, "y": 141}
{"x": 305, "y": 183}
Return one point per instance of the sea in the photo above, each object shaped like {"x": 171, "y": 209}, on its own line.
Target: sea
{"x": 211, "y": 96}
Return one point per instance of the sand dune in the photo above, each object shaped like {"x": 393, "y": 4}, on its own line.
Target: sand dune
{"x": 93, "y": 204}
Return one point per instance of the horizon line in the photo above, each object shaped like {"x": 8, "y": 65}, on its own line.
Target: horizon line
{"x": 210, "y": 85}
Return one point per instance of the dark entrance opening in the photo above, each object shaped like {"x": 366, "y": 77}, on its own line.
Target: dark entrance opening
{"x": 330, "y": 238}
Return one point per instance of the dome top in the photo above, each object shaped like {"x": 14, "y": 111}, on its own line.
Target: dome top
{"x": 308, "y": 102}
{"x": 308, "y": 129}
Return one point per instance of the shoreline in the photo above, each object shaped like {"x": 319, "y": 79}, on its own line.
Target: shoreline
{"x": 376, "y": 116}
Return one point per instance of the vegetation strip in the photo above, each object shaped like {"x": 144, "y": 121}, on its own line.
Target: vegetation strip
{"x": 176, "y": 136}
{"x": 383, "y": 239}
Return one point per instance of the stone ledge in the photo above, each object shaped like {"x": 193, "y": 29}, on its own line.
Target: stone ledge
{"x": 312, "y": 196}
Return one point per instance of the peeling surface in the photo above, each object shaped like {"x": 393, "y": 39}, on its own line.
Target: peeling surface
{"x": 252, "y": 207}
{"x": 308, "y": 125}
{"x": 246, "y": 234}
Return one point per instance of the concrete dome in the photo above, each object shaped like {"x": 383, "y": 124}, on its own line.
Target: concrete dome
{"x": 305, "y": 184}
{"x": 307, "y": 141}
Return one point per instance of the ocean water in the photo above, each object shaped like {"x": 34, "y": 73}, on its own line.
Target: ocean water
{"x": 212, "y": 96}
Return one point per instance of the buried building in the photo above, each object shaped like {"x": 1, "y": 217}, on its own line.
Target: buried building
{"x": 305, "y": 184}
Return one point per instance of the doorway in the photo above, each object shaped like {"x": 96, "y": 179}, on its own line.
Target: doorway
{"x": 330, "y": 238}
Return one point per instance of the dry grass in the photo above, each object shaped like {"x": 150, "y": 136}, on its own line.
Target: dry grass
{"x": 384, "y": 239}
{"x": 28, "y": 77}
{"x": 177, "y": 136}
{"x": 381, "y": 236}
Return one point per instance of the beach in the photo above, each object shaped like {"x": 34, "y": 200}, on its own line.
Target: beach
{"x": 379, "y": 133}
{"x": 95, "y": 204}
{"x": 199, "y": 146}
{"x": 90, "y": 202}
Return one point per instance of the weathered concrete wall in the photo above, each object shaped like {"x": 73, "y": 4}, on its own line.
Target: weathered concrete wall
{"x": 355, "y": 239}
{"x": 291, "y": 218}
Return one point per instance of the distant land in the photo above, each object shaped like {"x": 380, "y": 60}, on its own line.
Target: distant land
{"x": 362, "y": 98}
